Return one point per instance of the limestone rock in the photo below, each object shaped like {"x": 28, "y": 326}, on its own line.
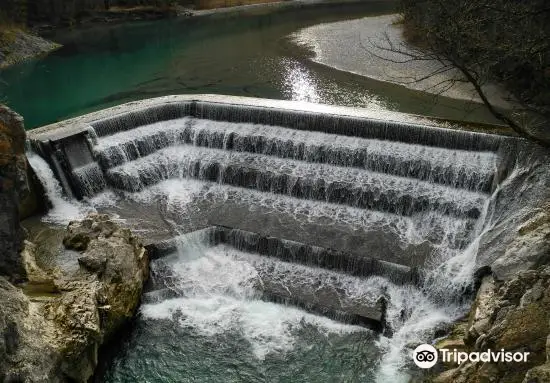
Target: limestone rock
{"x": 77, "y": 241}
{"x": 514, "y": 316}
{"x": 54, "y": 335}
{"x": 95, "y": 264}
{"x": 518, "y": 221}
{"x": 530, "y": 248}
{"x": 539, "y": 374}
{"x": 445, "y": 377}
{"x": 20, "y": 196}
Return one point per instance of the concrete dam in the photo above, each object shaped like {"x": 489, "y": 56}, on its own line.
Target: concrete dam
{"x": 371, "y": 222}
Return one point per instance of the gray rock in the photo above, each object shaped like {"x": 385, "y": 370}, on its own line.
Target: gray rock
{"x": 532, "y": 295}
{"x": 481, "y": 326}
{"x": 54, "y": 335}
{"x": 519, "y": 215}
{"x": 12, "y": 186}
{"x": 21, "y": 46}
{"x": 514, "y": 316}
{"x": 95, "y": 264}
{"x": 77, "y": 241}
{"x": 539, "y": 374}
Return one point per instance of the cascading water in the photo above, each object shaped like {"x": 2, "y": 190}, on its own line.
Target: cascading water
{"x": 62, "y": 209}
{"x": 89, "y": 179}
{"x": 408, "y": 206}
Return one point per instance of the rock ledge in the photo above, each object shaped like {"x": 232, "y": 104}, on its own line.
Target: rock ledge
{"x": 51, "y": 328}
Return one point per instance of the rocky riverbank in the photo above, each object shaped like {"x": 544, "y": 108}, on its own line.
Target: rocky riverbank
{"x": 16, "y": 193}
{"x": 43, "y": 18}
{"x": 511, "y": 312}
{"x": 17, "y": 45}
{"x": 54, "y": 324}
{"x": 513, "y": 316}
{"x": 55, "y": 315}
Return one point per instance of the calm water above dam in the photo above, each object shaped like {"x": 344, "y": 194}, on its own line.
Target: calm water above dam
{"x": 246, "y": 55}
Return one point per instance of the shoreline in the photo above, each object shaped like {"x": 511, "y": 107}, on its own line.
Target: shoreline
{"x": 41, "y": 38}
{"x": 17, "y": 46}
{"x": 496, "y": 127}
{"x": 345, "y": 46}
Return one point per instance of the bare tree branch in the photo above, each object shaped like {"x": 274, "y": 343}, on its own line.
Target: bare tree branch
{"x": 484, "y": 41}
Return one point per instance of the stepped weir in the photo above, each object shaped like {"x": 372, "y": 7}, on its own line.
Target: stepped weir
{"x": 314, "y": 202}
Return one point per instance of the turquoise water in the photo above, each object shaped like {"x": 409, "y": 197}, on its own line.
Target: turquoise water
{"x": 250, "y": 55}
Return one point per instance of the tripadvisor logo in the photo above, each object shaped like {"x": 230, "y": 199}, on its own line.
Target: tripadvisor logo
{"x": 426, "y": 356}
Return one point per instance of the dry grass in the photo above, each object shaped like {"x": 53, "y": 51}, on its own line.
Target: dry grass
{"x": 7, "y": 35}
{"x": 8, "y": 30}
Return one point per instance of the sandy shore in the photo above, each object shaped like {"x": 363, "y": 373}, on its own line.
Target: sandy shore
{"x": 357, "y": 46}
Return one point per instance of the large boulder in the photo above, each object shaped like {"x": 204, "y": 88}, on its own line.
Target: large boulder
{"x": 517, "y": 237}
{"x": 514, "y": 316}
{"x": 54, "y": 325}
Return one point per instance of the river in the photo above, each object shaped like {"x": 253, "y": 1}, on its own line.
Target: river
{"x": 248, "y": 53}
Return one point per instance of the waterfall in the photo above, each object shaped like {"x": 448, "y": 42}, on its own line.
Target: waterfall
{"x": 217, "y": 287}
{"x": 89, "y": 179}
{"x": 366, "y": 222}
{"x": 62, "y": 209}
{"x": 415, "y": 313}
{"x": 470, "y": 170}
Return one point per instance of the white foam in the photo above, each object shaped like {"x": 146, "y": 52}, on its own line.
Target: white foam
{"x": 462, "y": 161}
{"x": 415, "y": 314}
{"x": 268, "y": 327}
{"x": 218, "y": 285}
{"x": 178, "y": 194}
{"x": 105, "y": 199}
{"x": 170, "y": 128}
{"x": 62, "y": 210}
{"x": 181, "y": 162}
{"x": 353, "y": 290}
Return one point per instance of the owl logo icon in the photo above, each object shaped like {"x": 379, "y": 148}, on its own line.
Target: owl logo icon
{"x": 425, "y": 356}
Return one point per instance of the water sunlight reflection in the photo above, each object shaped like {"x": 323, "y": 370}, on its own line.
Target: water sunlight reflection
{"x": 299, "y": 84}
